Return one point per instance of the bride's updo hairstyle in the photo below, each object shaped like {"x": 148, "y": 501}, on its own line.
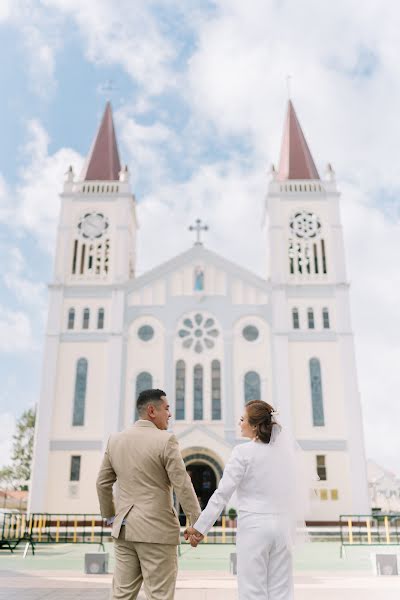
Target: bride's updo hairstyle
{"x": 259, "y": 415}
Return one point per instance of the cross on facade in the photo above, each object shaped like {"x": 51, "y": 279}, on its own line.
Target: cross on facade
{"x": 198, "y": 228}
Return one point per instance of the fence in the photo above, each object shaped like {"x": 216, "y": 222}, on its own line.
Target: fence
{"x": 50, "y": 529}
{"x": 369, "y": 530}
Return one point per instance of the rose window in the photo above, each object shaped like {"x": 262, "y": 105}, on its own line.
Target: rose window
{"x": 305, "y": 225}
{"x": 198, "y": 332}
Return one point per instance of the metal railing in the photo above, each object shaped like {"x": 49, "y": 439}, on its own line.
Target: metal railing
{"x": 45, "y": 528}
{"x": 369, "y": 530}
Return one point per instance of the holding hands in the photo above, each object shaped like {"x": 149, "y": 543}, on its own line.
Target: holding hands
{"x": 194, "y": 536}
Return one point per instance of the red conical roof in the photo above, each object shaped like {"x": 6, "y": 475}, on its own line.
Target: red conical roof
{"x": 296, "y": 161}
{"x": 103, "y": 160}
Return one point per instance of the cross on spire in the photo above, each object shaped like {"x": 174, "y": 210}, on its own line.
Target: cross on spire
{"x": 198, "y": 228}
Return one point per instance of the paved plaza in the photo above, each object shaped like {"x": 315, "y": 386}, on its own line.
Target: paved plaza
{"x": 56, "y": 573}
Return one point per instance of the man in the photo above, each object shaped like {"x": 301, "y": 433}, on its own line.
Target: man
{"x": 146, "y": 462}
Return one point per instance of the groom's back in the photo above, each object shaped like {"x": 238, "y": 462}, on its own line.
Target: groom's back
{"x": 137, "y": 456}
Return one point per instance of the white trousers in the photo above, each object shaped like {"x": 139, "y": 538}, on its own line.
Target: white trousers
{"x": 264, "y": 558}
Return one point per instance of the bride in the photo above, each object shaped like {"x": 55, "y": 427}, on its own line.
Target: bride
{"x": 264, "y": 474}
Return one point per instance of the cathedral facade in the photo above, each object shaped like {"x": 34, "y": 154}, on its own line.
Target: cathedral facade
{"x": 210, "y": 333}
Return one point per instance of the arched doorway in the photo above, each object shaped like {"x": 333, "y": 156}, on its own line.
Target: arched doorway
{"x": 205, "y": 471}
{"x": 204, "y": 481}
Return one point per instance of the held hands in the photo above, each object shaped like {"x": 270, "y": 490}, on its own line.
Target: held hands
{"x": 194, "y": 536}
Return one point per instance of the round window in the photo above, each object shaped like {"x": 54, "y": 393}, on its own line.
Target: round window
{"x": 250, "y": 333}
{"x": 146, "y": 333}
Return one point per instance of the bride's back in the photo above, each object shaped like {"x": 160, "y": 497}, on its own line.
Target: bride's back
{"x": 268, "y": 485}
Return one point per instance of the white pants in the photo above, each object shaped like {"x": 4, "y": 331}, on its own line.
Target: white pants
{"x": 264, "y": 558}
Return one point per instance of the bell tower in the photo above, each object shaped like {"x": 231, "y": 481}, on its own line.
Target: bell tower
{"x": 313, "y": 348}
{"x": 81, "y": 395}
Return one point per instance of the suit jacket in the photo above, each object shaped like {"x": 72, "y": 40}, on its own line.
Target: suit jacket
{"x": 147, "y": 464}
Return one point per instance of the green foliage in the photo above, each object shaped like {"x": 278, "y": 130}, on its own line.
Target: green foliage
{"x": 232, "y": 514}
{"x": 18, "y": 473}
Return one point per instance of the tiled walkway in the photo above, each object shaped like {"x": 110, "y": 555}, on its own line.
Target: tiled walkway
{"x": 196, "y": 586}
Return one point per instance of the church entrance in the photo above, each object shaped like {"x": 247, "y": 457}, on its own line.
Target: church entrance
{"x": 204, "y": 481}
{"x": 205, "y": 470}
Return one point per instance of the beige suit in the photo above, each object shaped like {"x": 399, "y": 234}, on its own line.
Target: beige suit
{"x": 147, "y": 464}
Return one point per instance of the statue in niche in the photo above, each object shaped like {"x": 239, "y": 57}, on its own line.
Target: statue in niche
{"x": 199, "y": 279}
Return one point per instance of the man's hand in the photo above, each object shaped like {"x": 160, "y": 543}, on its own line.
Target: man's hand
{"x": 194, "y": 536}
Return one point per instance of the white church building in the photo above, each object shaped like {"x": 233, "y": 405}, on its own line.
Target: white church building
{"x": 210, "y": 333}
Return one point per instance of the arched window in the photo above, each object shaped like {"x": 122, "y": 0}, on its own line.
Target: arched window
{"x": 144, "y": 381}
{"x": 86, "y": 316}
{"x": 180, "y": 390}
{"x": 310, "y": 318}
{"x": 252, "y": 386}
{"x": 316, "y": 393}
{"x": 216, "y": 390}
{"x": 295, "y": 318}
{"x": 80, "y": 392}
{"x": 198, "y": 393}
{"x": 100, "y": 319}
{"x": 71, "y": 318}
{"x": 325, "y": 318}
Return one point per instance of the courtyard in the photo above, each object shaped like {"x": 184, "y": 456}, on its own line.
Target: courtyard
{"x": 57, "y": 572}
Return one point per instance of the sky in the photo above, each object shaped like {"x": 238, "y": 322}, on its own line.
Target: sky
{"x": 199, "y": 91}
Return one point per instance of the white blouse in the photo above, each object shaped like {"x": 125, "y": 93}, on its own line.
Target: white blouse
{"x": 263, "y": 479}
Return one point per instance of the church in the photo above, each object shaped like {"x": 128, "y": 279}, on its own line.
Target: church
{"x": 210, "y": 333}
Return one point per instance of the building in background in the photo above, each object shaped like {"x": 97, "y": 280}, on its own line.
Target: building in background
{"x": 384, "y": 488}
{"x": 212, "y": 334}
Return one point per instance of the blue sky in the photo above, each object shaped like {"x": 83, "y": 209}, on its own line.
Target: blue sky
{"x": 199, "y": 105}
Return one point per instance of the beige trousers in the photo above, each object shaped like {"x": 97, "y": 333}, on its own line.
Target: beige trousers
{"x": 154, "y": 565}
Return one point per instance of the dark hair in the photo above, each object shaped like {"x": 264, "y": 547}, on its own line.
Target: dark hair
{"x": 259, "y": 414}
{"x": 149, "y": 397}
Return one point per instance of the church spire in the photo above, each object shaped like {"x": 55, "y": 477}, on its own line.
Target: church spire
{"x": 103, "y": 161}
{"x": 296, "y": 161}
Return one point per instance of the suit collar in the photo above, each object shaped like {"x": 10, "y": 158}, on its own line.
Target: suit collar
{"x": 144, "y": 423}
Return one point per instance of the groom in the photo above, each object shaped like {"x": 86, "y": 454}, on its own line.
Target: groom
{"x": 146, "y": 463}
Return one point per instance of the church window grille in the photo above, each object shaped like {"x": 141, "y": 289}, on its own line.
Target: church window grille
{"x": 316, "y": 393}
{"x": 325, "y": 318}
{"x": 100, "y": 319}
{"x": 250, "y": 333}
{"x": 252, "y": 386}
{"x": 295, "y": 318}
{"x": 80, "y": 392}
{"x": 75, "y": 468}
{"x": 324, "y": 269}
{"x": 74, "y": 257}
{"x": 198, "y": 393}
{"x": 310, "y": 318}
{"x": 216, "y": 389}
{"x": 321, "y": 467}
{"x": 306, "y": 249}
{"x": 198, "y": 332}
{"x": 180, "y": 377}
{"x": 144, "y": 381}
{"x": 71, "y": 318}
{"x": 86, "y": 318}
{"x": 146, "y": 333}
{"x": 83, "y": 252}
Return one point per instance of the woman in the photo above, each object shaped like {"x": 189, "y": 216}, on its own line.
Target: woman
{"x": 263, "y": 474}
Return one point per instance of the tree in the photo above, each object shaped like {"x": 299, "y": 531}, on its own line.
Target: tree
{"x": 19, "y": 472}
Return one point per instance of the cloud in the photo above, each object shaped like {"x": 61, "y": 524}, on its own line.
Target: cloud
{"x": 15, "y": 332}
{"x": 127, "y": 35}
{"x": 41, "y": 177}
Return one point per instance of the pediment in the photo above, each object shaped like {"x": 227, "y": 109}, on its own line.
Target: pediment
{"x": 198, "y": 272}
